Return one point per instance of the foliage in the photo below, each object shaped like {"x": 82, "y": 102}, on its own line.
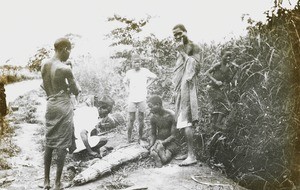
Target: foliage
{"x": 157, "y": 55}
{"x": 34, "y": 63}
{"x": 7, "y": 146}
{"x": 260, "y": 144}
{"x": 99, "y": 78}
{"x": 10, "y": 74}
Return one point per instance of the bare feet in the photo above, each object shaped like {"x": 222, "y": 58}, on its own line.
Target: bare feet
{"x": 181, "y": 157}
{"x": 160, "y": 147}
{"x": 156, "y": 159}
{"x": 62, "y": 186}
{"x": 94, "y": 154}
{"x": 188, "y": 161}
{"x": 44, "y": 187}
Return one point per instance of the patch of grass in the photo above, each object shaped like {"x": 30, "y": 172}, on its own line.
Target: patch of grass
{"x": 7, "y": 147}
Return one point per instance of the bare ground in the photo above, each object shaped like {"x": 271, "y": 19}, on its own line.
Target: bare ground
{"x": 27, "y": 166}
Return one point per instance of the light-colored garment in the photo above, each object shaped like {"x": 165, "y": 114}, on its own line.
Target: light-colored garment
{"x": 138, "y": 83}
{"x": 85, "y": 118}
{"x": 140, "y": 106}
{"x": 185, "y": 81}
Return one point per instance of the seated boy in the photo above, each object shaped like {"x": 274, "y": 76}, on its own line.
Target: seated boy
{"x": 162, "y": 145}
{"x": 90, "y": 122}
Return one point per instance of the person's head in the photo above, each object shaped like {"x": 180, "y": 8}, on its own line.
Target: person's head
{"x": 62, "y": 47}
{"x": 180, "y": 33}
{"x": 104, "y": 105}
{"x": 226, "y": 56}
{"x": 136, "y": 62}
{"x": 155, "y": 104}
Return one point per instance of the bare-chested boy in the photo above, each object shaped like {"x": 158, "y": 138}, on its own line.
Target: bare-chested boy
{"x": 59, "y": 83}
{"x": 163, "y": 132}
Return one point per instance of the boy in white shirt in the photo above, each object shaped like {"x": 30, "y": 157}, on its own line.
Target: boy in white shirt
{"x": 136, "y": 82}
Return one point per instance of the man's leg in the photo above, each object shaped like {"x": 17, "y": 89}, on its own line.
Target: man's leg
{"x": 157, "y": 160}
{"x": 61, "y": 156}
{"x": 84, "y": 138}
{"x": 189, "y": 135}
{"x": 163, "y": 153}
{"x": 47, "y": 164}
{"x": 141, "y": 125}
{"x": 130, "y": 125}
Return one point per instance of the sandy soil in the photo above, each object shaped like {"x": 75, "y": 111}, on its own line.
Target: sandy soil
{"x": 27, "y": 166}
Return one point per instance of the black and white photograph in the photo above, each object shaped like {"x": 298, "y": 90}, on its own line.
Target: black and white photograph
{"x": 150, "y": 95}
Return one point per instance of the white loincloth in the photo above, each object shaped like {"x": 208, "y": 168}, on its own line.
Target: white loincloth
{"x": 182, "y": 123}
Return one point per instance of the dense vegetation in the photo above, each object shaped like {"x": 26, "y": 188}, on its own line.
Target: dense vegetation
{"x": 260, "y": 144}
{"x": 258, "y": 148}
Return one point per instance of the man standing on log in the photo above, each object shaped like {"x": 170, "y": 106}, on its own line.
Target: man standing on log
{"x": 185, "y": 82}
{"x": 59, "y": 83}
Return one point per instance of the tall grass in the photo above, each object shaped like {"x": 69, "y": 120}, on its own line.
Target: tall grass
{"x": 259, "y": 145}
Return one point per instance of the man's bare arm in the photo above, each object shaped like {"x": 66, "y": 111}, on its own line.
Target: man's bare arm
{"x": 172, "y": 137}
{"x": 153, "y": 132}
{"x": 71, "y": 81}
{"x": 207, "y": 73}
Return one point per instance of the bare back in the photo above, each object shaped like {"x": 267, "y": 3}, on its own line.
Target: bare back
{"x": 57, "y": 77}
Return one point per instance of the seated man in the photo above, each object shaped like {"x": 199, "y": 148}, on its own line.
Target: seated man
{"x": 90, "y": 127}
{"x": 163, "y": 132}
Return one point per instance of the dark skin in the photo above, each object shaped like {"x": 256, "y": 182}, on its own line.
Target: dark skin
{"x": 163, "y": 131}
{"x": 221, "y": 74}
{"x": 187, "y": 49}
{"x": 56, "y": 77}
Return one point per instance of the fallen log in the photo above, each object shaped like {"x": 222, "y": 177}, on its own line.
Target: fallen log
{"x": 111, "y": 161}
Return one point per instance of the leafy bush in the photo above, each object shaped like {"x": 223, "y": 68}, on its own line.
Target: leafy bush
{"x": 34, "y": 63}
{"x": 259, "y": 147}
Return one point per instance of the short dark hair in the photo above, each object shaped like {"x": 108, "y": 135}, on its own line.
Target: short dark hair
{"x": 155, "y": 99}
{"x": 62, "y": 42}
{"x": 104, "y": 100}
{"x": 181, "y": 27}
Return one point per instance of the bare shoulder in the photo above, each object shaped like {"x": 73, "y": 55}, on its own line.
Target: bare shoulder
{"x": 196, "y": 48}
{"x": 64, "y": 68}
{"x": 45, "y": 65}
{"x": 170, "y": 112}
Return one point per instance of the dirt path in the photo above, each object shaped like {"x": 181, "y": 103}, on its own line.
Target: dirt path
{"x": 27, "y": 166}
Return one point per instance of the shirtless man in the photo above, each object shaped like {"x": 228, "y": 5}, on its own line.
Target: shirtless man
{"x": 221, "y": 75}
{"x": 163, "y": 132}
{"x": 59, "y": 83}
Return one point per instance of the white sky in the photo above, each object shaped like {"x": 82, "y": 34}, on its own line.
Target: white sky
{"x": 29, "y": 24}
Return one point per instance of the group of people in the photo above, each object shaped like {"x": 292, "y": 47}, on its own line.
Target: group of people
{"x": 59, "y": 83}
